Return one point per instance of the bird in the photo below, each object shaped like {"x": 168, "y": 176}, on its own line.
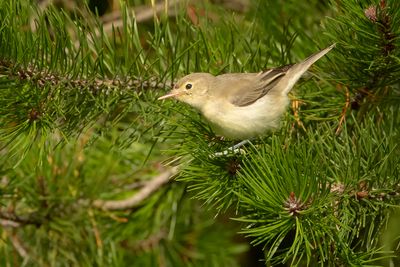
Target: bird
{"x": 242, "y": 105}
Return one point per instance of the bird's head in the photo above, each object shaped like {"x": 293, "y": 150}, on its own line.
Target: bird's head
{"x": 192, "y": 89}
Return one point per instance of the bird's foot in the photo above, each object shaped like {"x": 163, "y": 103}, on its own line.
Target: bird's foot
{"x": 232, "y": 150}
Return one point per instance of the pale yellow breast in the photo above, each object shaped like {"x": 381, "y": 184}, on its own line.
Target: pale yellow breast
{"x": 245, "y": 122}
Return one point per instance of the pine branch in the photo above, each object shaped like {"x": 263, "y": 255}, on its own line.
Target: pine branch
{"x": 42, "y": 78}
{"x": 78, "y": 115}
{"x": 369, "y": 62}
{"x": 146, "y": 191}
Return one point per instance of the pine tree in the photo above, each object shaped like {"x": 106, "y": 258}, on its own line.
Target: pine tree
{"x": 96, "y": 172}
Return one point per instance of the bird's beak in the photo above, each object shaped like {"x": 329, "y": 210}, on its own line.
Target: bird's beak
{"x": 171, "y": 94}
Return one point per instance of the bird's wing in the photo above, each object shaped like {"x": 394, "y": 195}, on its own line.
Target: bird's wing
{"x": 248, "y": 91}
{"x": 246, "y": 88}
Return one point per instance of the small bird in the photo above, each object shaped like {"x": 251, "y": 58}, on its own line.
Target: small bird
{"x": 242, "y": 105}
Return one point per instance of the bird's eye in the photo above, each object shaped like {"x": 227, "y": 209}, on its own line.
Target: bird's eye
{"x": 188, "y": 86}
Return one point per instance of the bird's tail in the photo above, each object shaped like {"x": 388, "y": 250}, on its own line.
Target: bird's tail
{"x": 297, "y": 70}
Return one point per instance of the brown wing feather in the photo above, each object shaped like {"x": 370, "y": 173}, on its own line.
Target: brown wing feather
{"x": 262, "y": 84}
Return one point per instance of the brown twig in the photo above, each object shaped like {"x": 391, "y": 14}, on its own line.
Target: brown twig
{"x": 295, "y": 107}
{"x": 344, "y": 110}
{"x": 9, "y": 223}
{"x": 19, "y": 247}
{"x": 10, "y": 216}
{"x": 141, "y": 195}
{"x": 96, "y": 231}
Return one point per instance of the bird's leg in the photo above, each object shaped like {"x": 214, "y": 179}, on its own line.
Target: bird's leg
{"x": 240, "y": 144}
{"x": 233, "y": 149}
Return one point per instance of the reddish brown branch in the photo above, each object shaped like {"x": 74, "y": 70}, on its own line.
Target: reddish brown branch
{"x": 344, "y": 111}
